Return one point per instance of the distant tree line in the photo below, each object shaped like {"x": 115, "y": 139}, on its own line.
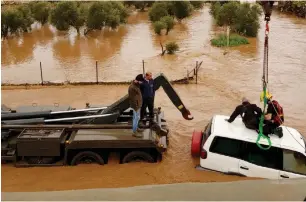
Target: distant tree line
{"x": 298, "y": 8}
{"x": 63, "y": 15}
{"x": 93, "y": 15}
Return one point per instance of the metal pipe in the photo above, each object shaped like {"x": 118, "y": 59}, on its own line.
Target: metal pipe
{"x": 77, "y": 118}
{"x": 69, "y": 126}
{"x": 78, "y": 110}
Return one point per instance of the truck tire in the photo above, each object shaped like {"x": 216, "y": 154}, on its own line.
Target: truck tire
{"x": 136, "y": 156}
{"x": 87, "y": 157}
{"x": 196, "y": 143}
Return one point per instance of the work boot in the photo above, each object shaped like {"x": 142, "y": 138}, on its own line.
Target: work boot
{"x": 137, "y": 134}
{"x": 279, "y": 132}
{"x": 140, "y": 130}
{"x": 141, "y": 125}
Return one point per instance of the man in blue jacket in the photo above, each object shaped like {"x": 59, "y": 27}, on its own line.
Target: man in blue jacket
{"x": 148, "y": 94}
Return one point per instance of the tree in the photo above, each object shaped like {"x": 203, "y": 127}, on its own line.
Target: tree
{"x": 15, "y": 20}
{"x": 103, "y": 14}
{"x": 142, "y": 4}
{"x": 158, "y": 27}
{"x": 215, "y": 8}
{"x": 181, "y": 9}
{"x": 27, "y": 20}
{"x": 242, "y": 18}
{"x": 227, "y": 14}
{"x": 40, "y": 11}
{"x": 67, "y": 14}
{"x": 168, "y": 22}
{"x": 247, "y": 19}
{"x": 158, "y": 10}
{"x": 197, "y": 4}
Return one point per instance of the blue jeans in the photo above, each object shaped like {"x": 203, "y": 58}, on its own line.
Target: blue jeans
{"x": 136, "y": 117}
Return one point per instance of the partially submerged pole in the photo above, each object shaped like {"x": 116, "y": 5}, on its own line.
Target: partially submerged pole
{"x": 41, "y": 74}
{"x": 97, "y": 78}
{"x": 143, "y": 68}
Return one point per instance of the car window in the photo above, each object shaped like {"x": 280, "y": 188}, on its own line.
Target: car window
{"x": 227, "y": 147}
{"x": 294, "y": 162}
{"x": 207, "y": 130}
{"x": 271, "y": 158}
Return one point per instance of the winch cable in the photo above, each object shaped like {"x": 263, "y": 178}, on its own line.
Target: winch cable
{"x": 264, "y": 84}
{"x": 268, "y": 10}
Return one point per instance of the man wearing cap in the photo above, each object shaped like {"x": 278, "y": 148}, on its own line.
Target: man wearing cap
{"x": 250, "y": 114}
{"x": 135, "y": 99}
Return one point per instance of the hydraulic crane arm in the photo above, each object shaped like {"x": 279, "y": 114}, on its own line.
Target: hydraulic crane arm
{"x": 160, "y": 80}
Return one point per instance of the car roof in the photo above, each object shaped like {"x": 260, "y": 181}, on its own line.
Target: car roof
{"x": 291, "y": 139}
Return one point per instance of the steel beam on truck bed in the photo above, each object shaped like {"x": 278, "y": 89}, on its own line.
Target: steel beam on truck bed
{"x": 70, "y": 126}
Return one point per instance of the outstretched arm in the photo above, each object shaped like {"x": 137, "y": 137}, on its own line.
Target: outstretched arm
{"x": 235, "y": 114}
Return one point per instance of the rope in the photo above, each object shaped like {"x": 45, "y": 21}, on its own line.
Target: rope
{"x": 286, "y": 127}
{"x": 265, "y": 83}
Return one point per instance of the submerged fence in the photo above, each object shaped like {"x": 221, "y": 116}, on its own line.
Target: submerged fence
{"x": 184, "y": 80}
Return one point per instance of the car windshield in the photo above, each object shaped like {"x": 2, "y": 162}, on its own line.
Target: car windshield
{"x": 294, "y": 162}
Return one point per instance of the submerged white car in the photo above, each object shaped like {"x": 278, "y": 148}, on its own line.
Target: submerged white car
{"x": 231, "y": 148}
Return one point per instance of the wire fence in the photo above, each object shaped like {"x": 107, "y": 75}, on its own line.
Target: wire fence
{"x": 191, "y": 74}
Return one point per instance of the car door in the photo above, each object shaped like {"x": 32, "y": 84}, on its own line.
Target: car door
{"x": 253, "y": 170}
{"x": 260, "y": 163}
{"x": 294, "y": 165}
{"x": 224, "y": 155}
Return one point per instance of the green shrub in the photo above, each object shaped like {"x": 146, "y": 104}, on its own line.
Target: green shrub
{"x": 234, "y": 40}
{"x": 172, "y": 47}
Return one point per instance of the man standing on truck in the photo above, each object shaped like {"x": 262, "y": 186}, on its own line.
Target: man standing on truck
{"x": 148, "y": 94}
{"x": 250, "y": 114}
{"x": 135, "y": 98}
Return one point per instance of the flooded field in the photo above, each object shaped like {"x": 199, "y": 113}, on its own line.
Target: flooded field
{"x": 224, "y": 79}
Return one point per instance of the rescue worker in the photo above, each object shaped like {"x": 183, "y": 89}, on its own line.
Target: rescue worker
{"x": 135, "y": 98}
{"x": 250, "y": 114}
{"x": 148, "y": 94}
{"x": 274, "y": 116}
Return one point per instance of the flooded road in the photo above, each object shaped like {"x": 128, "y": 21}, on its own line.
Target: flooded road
{"x": 224, "y": 79}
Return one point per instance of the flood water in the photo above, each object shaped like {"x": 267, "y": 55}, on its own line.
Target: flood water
{"x": 223, "y": 80}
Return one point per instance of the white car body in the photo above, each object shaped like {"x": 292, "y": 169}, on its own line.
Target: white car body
{"x": 231, "y": 148}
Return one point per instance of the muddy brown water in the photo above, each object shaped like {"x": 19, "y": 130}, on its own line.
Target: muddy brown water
{"x": 223, "y": 80}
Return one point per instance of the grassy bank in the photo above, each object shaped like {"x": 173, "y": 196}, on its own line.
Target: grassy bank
{"x": 234, "y": 40}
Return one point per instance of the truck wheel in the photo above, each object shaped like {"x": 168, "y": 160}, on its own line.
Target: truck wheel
{"x": 138, "y": 156}
{"x": 87, "y": 157}
{"x": 196, "y": 143}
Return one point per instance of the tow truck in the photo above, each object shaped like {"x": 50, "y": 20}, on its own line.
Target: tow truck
{"x": 40, "y": 135}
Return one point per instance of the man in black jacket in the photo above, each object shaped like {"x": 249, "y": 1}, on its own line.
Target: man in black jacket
{"x": 250, "y": 114}
{"x": 148, "y": 94}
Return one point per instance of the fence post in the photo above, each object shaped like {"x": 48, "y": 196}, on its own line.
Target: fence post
{"x": 143, "y": 68}
{"x": 97, "y": 78}
{"x": 41, "y": 74}
{"x": 187, "y": 75}
{"x": 197, "y": 73}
